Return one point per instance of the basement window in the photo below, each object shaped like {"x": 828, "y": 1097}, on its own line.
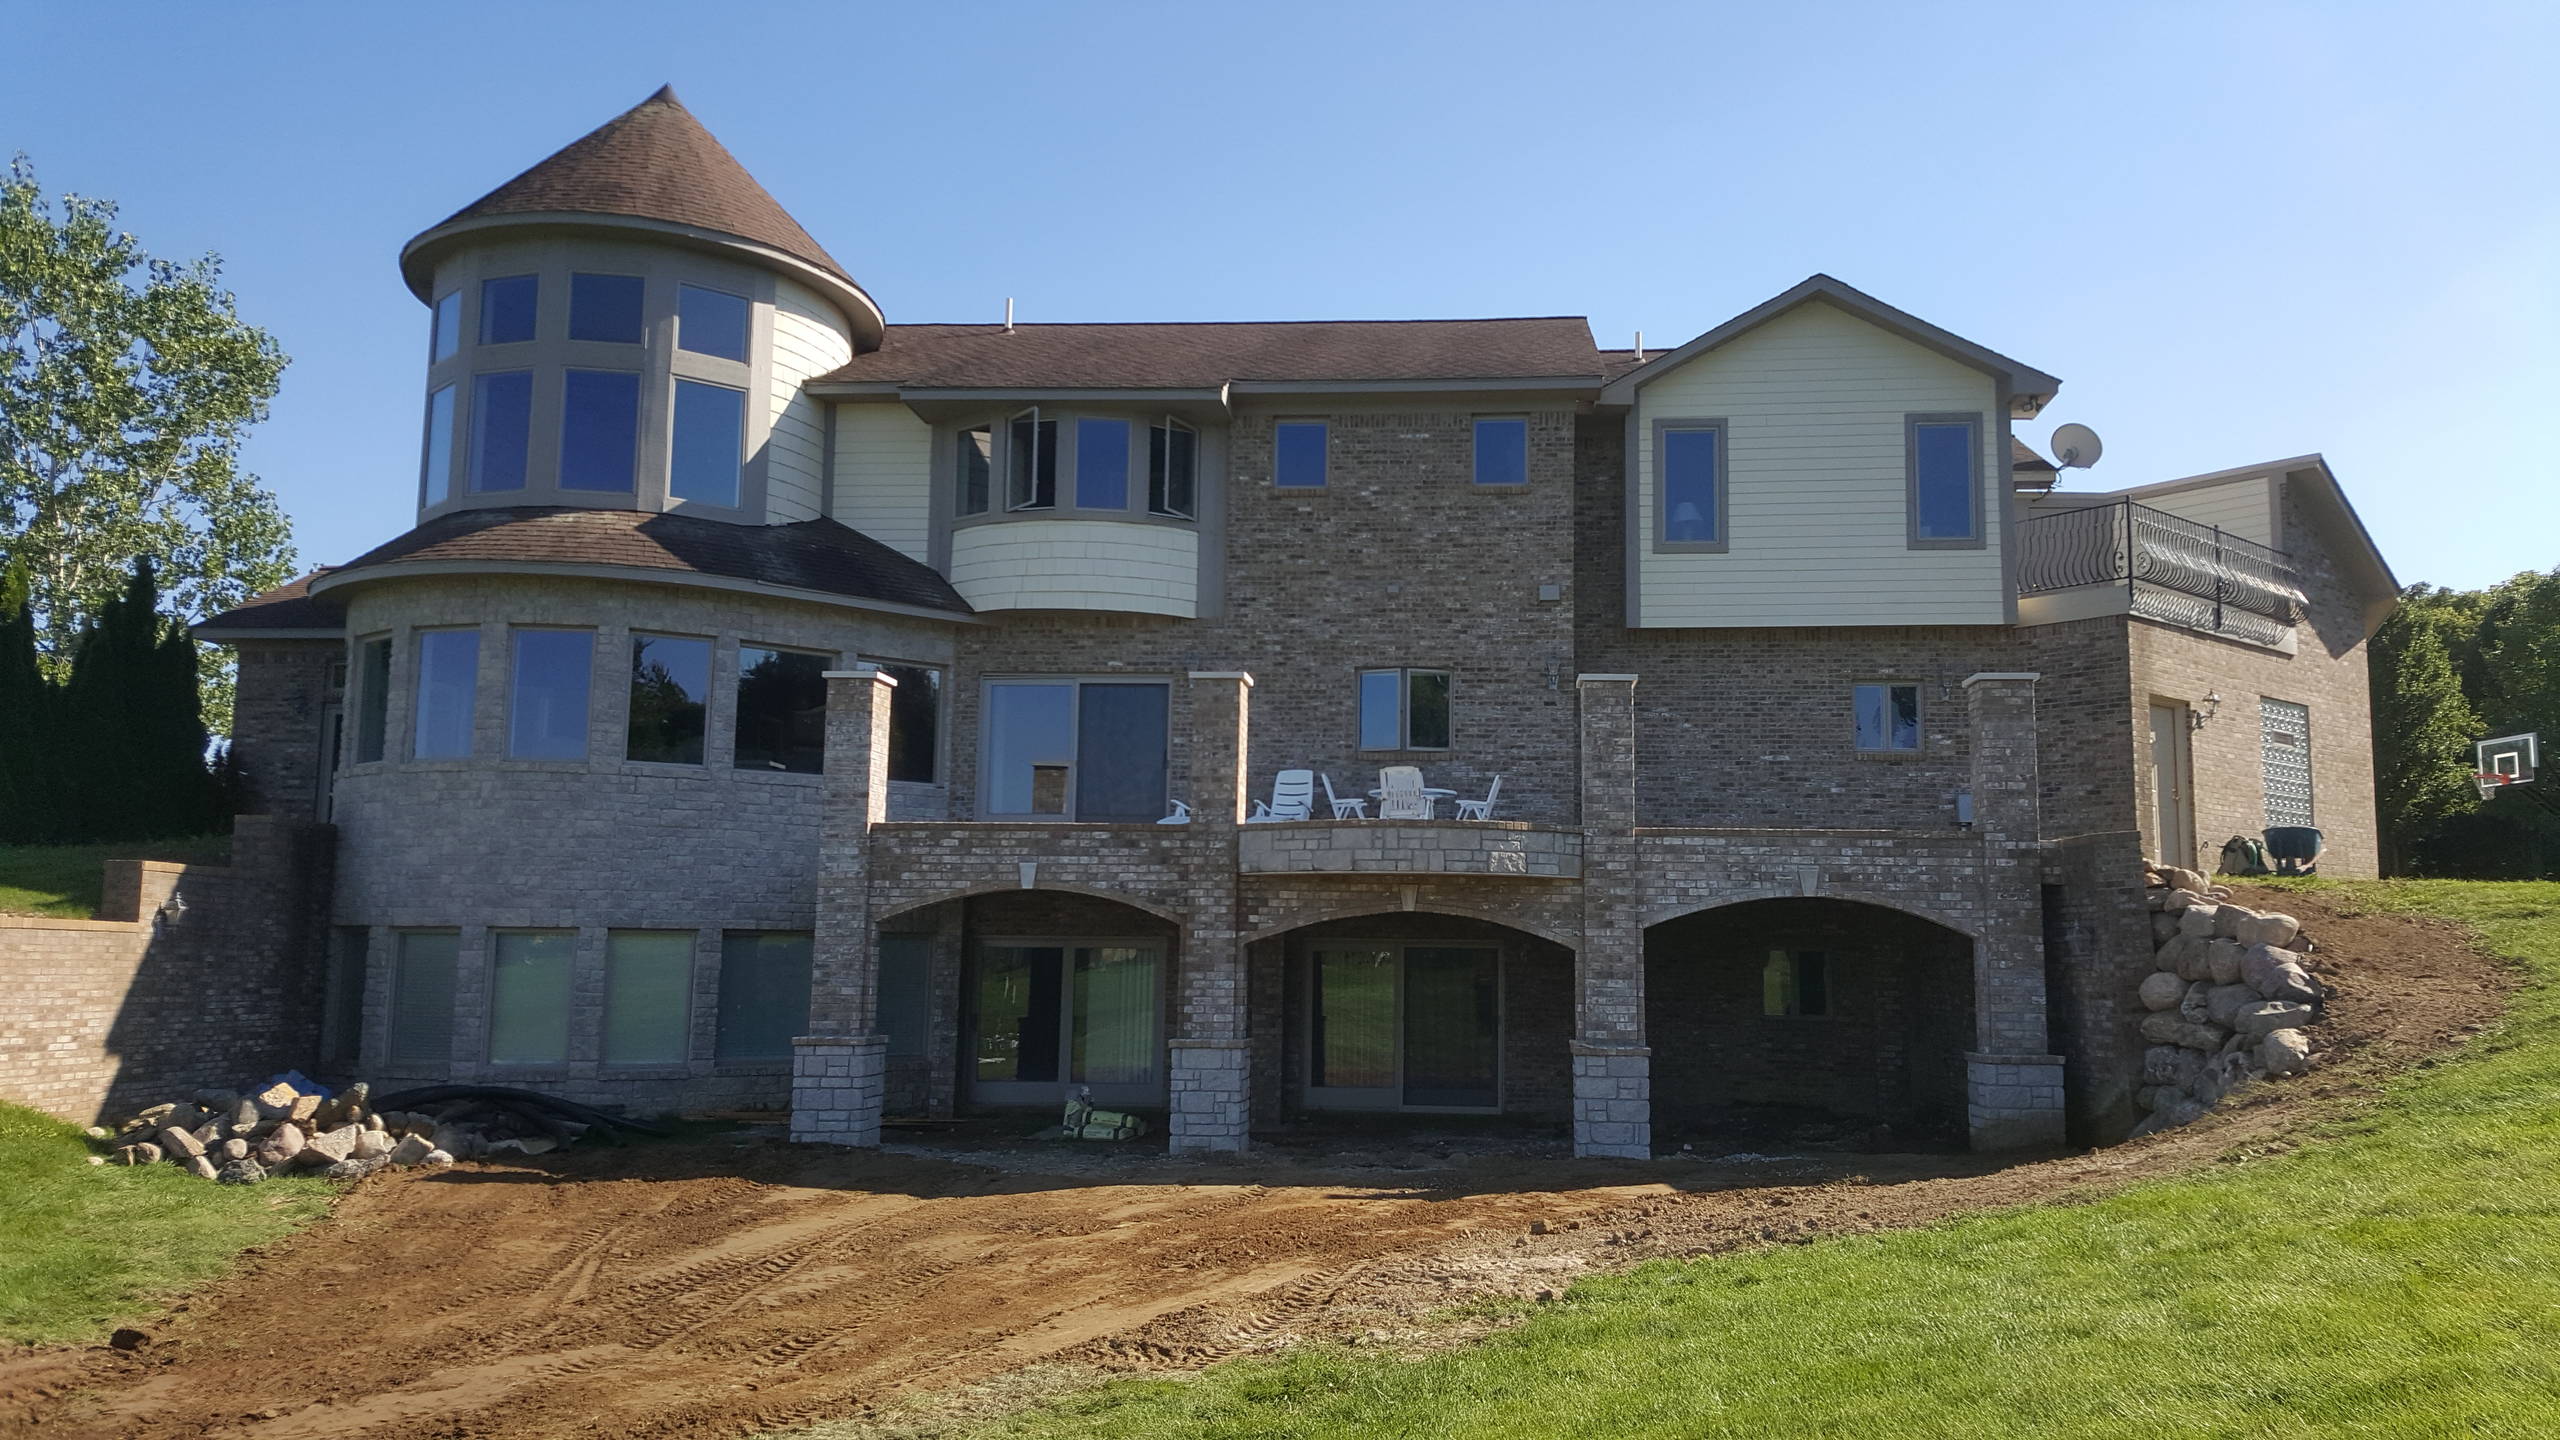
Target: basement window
{"x": 529, "y": 997}
{"x": 422, "y": 966}
{"x": 648, "y": 979}
{"x": 764, "y": 994}
{"x": 1796, "y": 982}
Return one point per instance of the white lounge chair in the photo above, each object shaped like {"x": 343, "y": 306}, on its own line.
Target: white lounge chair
{"x": 1181, "y": 815}
{"x": 1401, "y": 795}
{"x": 1344, "y": 808}
{"x": 1481, "y": 809}
{"x": 1293, "y": 797}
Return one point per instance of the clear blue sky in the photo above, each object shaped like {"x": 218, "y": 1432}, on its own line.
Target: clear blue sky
{"x": 2238, "y": 232}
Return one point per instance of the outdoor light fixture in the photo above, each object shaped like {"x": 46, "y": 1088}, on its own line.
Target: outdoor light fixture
{"x": 2211, "y": 702}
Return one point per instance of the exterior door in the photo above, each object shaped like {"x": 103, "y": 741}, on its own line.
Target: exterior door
{"x": 2172, "y": 779}
{"x": 1048, "y": 1016}
{"x": 1404, "y": 1027}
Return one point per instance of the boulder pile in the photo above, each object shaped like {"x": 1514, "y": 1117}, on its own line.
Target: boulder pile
{"x": 2231, "y": 1002}
{"x": 242, "y": 1139}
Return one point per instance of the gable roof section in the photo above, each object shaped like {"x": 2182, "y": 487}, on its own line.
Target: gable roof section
{"x": 816, "y": 559}
{"x": 1206, "y": 355}
{"x": 2029, "y": 387}
{"x": 288, "y": 612}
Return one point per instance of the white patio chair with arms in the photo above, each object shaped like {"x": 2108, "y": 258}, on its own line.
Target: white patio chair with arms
{"x": 1293, "y": 797}
{"x": 1344, "y": 808}
{"x": 1401, "y": 795}
{"x": 1481, "y": 809}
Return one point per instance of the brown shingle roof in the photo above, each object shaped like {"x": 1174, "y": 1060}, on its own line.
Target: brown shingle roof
{"x": 1197, "y": 356}
{"x": 654, "y": 161}
{"x": 290, "y": 606}
{"x": 818, "y": 555}
{"x": 2022, "y": 456}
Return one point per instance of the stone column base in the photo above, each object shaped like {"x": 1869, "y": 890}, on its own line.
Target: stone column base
{"x": 838, "y": 1085}
{"x": 1209, "y": 1085}
{"x": 2014, "y": 1102}
{"x": 1613, "y": 1101}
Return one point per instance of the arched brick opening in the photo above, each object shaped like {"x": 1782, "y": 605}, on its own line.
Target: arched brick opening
{"x": 1808, "y": 1020}
{"x": 1437, "y": 996}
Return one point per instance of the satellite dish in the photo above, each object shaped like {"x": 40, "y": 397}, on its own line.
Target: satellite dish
{"x": 2077, "y": 447}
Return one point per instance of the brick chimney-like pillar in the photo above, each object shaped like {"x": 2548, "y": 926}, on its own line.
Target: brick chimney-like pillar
{"x": 2013, "y": 1086}
{"x": 1612, "y": 1067}
{"x": 839, "y": 1071}
{"x": 1209, "y": 1056}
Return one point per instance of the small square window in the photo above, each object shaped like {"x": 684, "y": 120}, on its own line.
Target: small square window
{"x": 1795, "y": 982}
{"x": 712, "y": 322}
{"x": 1298, "y": 457}
{"x": 1888, "y": 718}
{"x": 1404, "y": 709}
{"x": 507, "y": 307}
{"x": 605, "y": 308}
{"x": 1502, "y": 452}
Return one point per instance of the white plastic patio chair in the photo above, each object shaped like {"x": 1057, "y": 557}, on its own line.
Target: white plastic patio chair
{"x": 1293, "y": 797}
{"x": 1401, "y": 795}
{"x": 1344, "y": 807}
{"x": 1181, "y": 815}
{"x": 1481, "y": 809}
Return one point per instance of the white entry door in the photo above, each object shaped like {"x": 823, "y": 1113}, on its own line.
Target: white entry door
{"x": 2172, "y": 774}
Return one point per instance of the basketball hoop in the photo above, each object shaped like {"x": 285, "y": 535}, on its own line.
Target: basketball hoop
{"x": 2507, "y": 760}
{"x": 2490, "y": 782}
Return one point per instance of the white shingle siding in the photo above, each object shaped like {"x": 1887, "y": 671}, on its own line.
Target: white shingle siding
{"x": 1078, "y": 565}
{"x": 884, "y": 481}
{"x": 1813, "y": 404}
{"x": 809, "y": 339}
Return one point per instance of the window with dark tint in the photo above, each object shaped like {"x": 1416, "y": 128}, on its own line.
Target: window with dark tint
{"x": 1173, "y": 466}
{"x": 670, "y": 695}
{"x": 507, "y": 309}
{"x": 975, "y": 472}
{"x": 547, "y": 711}
{"x": 1888, "y": 717}
{"x": 605, "y": 307}
{"x": 1692, "y": 485}
{"x": 711, "y": 322}
{"x": 373, "y": 698}
{"x": 1795, "y": 982}
{"x": 915, "y": 723}
{"x": 1102, "y": 464}
{"x": 446, "y": 339}
{"x": 448, "y": 681}
{"x": 1297, "y": 454}
{"x": 1093, "y": 750}
{"x": 782, "y": 710}
{"x": 709, "y": 437}
{"x": 529, "y": 996}
{"x": 648, "y": 979}
{"x": 1121, "y": 750}
{"x": 906, "y": 991}
{"x": 1404, "y": 710}
{"x": 437, "y": 482}
{"x": 422, "y": 966}
{"x": 501, "y": 427}
{"x": 764, "y": 994}
{"x": 1031, "y": 462}
{"x": 599, "y": 430}
{"x": 1502, "y": 452}
{"x": 1942, "y": 481}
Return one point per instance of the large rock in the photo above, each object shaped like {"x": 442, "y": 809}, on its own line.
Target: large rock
{"x": 182, "y": 1145}
{"x": 2177, "y": 901}
{"x": 2199, "y": 919}
{"x": 2269, "y": 928}
{"x": 2223, "y": 1075}
{"x": 2258, "y": 1021}
{"x": 2228, "y": 920}
{"x": 2186, "y": 880}
{"x": 331, "y": 1146}
{"x": 2191, "y": 1004}
{"x": 412, "y": 1150}
{"x": 2163, "y": 925}
{"x": 242, "y": 1117}
{"x": 2170, "y": 1065}
{"x": 241, "y": 1172}
{"x": 304, "y": 1107}
{"x": 2182, "y": 954}
{"x": 199, "y": 1167}
{"x": 2162, "y": 991}
{"x": 2222, "y": 960}
{"x": 2222, "y": 1004}
{"x": 2285, "y": 1052}
{"x": 2277, "y": 974}
{"x": 281, "y": 1146}
{"x": 354, "y": 1169}
{"x": 276, "y": 1101}
{"x": 372, "y": 1144}
{"x": 2169, "y": 1028}
{"x": 234, "y": 1148}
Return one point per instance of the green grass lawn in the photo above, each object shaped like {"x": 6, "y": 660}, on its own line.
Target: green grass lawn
{"x": 2400, "y": 1276}
{"x": 63, "y": 880}
{"x": 84, "y": 1247}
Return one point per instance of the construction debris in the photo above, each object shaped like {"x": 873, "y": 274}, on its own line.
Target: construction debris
{"x": 292, "y": 1124}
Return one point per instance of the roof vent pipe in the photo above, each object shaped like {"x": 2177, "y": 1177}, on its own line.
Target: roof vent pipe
{"x": 1639, "y": 347}
{"x": 1008, "y": 314}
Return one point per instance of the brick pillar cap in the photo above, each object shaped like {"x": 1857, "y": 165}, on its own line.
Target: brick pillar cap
{"x": 1972, "y": 680}
{"x": 860, "y": 672}
{"x": 1223, "y": 675}
{"x": 1603, "y": 679}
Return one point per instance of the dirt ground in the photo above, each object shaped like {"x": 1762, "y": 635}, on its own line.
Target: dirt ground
{"x": 719, "y": 1286}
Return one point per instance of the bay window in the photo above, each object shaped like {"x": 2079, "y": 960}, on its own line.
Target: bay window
{"x": 422, "y": 985}
{"x": 448, "y": 683}
{"x": 507, "y": 308}
{"x": 606, "y": 308}
{"x": 373, "y": 698}
{"x": 1173, "y": 467}
{"x": 670, "y": 699}
{"x": 710, "y": 440}
{"x": 436, "y": 479}
{"x": 547, "y": 711}
{"x": 501, "y": 429}
{"x": 974, "y": 472}
{"x": 599, "y": 430}
{"x": 1031, "y": 462}
{"x": 1102, "y": 464}
{"x": 712, "y": 322}
{"x": 446, "y": 334}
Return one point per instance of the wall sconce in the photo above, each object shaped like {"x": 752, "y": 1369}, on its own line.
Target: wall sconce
{"x": 2211, "y": 702}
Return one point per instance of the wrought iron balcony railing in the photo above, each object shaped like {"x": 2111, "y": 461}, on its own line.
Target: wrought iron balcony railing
{"x": 2172, "y": 569}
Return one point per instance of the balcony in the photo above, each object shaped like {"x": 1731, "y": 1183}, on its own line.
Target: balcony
{"x": 1507, "y": 849}
{"x": 2123, "y": 558}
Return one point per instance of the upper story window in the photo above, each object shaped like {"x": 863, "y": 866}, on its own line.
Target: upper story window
{"x": 373, "y": 697}
{"x": 975, "y": 468}
{"x": 606, "y": 308}
{"x": 448, "y": 683}
{"x": 1031, "y": 462}
{"x": 1298, "y": 454}
{"x": 1944, "y": 456}
{"x": 1102, "y": 464}
{"x": 712, "y": 322}
{"x": 1689, "y": 475}
{"x": 1888, "y": 718}
{"x": 507, "y": 309}
{"x": 709, "y": 443}
{"x": 1502, "y": 452}
{"x": 915, "y": 723}
{"x": 501, "y": 429}
{"x": 436, "y": 470}
{"x": 547, "y": 711}
{"x": 446, "y": 337}
{"x": 782, "y": 710}
{"x": 1173, "y": 469}
{"x": 1091, "y": 750}
{"x": 670, "y": 699}
{"x": 599, "y": 430}
{"x": 1404, "y": 709}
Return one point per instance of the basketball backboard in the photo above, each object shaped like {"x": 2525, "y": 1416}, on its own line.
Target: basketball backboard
{"x": 2507, "y": 760}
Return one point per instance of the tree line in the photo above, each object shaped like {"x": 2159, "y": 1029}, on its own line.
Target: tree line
{"x": 2449, "y": 668}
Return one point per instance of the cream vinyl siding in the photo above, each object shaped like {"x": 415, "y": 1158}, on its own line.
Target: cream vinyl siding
{"x": 808, "y": 340}
{"x": 1078, "y": 565}
{"x": 1813, "y": 404}
{"x": 884, "y": 476}
{"x": 2240, "y": 506}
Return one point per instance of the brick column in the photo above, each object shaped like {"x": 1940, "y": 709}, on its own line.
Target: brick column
{"x": 2013, "y": 1085}
{"x": 1208, "y": 1060}
{"x": 1612, "y": 1068}
{"x": 839, "y": 1070}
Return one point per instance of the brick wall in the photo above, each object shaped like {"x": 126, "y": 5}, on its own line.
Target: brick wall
{"x": 279, "y": 722}
{"x": 105, "y": 1015}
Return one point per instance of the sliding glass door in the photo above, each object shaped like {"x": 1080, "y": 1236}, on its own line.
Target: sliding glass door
{"x": 1404, "y": 1027}
{"x": 1049, "y": 1016}
{"x": 1090, "y": 750}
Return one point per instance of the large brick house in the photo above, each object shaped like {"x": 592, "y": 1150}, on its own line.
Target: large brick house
{"x": 776, "y": 704}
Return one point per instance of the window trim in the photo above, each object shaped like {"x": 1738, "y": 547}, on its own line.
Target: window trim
{"x": 1911, "y": 423}
{"x": 1475, "y": 452}
{"x": 1324, "y": 453}
{"x": 1920, "y": 713}
{"x": 1723, "y": 481}
{"x": 1075, "y": 740}
{"x": 1404, "y": 709}
{"x": 739, "y": 497}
